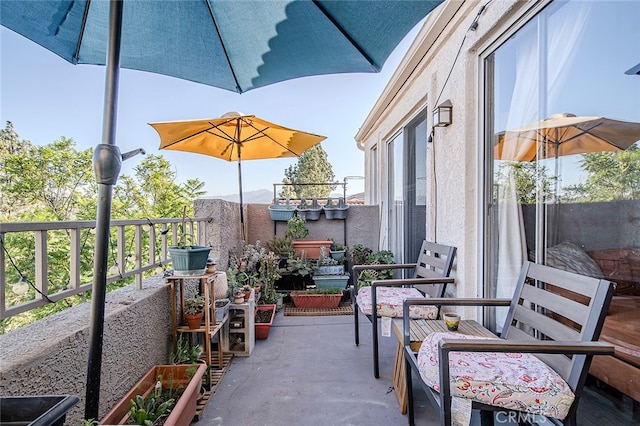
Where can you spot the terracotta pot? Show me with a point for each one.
(311, 247)
(262, 328)
(194, 320)
(177, 376)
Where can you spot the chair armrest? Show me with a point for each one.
(410, 281)
(525, 346)
(452, 301)
(358, 268)
(498, 345)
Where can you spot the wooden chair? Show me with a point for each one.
(431, 275)
(531, 327)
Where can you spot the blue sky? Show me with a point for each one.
(46, 97)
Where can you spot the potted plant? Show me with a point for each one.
(181, 382)
(281, 212)
(281, 246)
(185, 353)
(264, 316)
(333, 210)
(327, 265)
(317, 298)
(338, 251)
(194, 311)
(269, 274)
(186, 257)
(298, 232)
(310, 211)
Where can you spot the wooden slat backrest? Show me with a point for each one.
(536, 312)
(435, 261)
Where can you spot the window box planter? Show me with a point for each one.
(37, 410)
(311, 247)
(328, 281)
(187, 376)
(303, 299)
(329, 270)
(189, 261)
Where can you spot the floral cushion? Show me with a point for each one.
(511, 380)
(389, 302)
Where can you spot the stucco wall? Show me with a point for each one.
(362, 226)
(50, 355)
(455, 156)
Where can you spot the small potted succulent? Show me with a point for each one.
(194, 311)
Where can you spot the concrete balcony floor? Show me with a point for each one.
(310, 372)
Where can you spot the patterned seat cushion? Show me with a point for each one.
(389, 302)
(510, 380)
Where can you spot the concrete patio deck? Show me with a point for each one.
(310, 372)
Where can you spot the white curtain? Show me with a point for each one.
(552, 42)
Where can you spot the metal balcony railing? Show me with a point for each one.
(138, 246)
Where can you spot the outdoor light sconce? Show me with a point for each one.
(443, 114)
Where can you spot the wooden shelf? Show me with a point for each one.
(210, 328)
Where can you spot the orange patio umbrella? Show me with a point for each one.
(235, 136)
(565, 134)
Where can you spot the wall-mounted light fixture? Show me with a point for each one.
(443, 114)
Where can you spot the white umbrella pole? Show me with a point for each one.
(241, 201)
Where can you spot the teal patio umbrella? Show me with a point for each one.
(235, 45)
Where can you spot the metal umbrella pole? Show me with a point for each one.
(107, 161)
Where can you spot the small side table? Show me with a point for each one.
(419, 329)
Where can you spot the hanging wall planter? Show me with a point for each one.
(310, 211)
(337, 211)
(281, 212)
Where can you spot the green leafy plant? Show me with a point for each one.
(148, 412)
(282, 246)
(297, 229)
(185, 239)
(89, 422)
(338, 246)
(194, 304)
(362, 255)
(185, 353)
(299, 266)
(269, 274)
(325, 259)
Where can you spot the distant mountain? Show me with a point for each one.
(260, 196)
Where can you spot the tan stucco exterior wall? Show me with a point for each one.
(455, 156)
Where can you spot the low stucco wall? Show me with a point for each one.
(50, 355)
